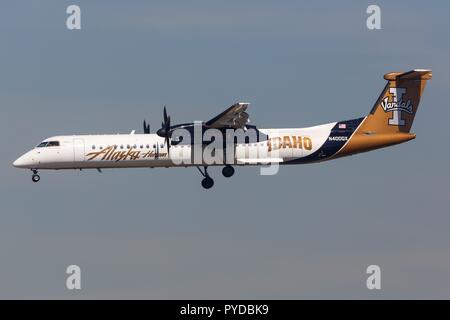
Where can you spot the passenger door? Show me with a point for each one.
(78, 150)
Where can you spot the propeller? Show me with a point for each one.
(146, 127)
(165, 128)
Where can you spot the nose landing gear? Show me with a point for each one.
(35, 177)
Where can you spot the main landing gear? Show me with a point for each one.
(227, 171)
(35, 177)
(208, 182)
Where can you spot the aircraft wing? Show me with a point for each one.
(234, 117)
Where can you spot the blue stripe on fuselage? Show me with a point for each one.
(335, 141)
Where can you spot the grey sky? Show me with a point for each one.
(308, 232)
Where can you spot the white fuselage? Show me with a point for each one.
(150, 150)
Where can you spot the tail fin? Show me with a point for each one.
(396, 107)
(392, 116)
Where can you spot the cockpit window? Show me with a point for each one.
(48, 144)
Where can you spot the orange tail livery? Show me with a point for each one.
(392, 116)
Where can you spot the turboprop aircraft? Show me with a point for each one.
(237, 143)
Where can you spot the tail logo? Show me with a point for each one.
(397, 106)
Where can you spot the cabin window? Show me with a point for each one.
(121, 146)
(161, 146)
(142, 147)
(148, 147)
(93, 147)
(154, 146)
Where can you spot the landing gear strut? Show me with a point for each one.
(227, 171)
(35, 177)
(207, 182)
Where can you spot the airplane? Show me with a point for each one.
(388, 123)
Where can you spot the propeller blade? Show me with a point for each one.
(165, 128)
(146, 127)
(165, 114)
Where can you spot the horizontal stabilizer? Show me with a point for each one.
(416, 74)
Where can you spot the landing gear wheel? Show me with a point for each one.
(227, 171)
(207, 183)
(35, 177)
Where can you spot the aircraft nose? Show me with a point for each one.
(23, 161)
